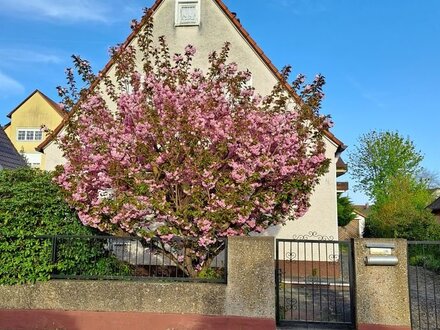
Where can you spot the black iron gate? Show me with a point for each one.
(315, 283)
(424, 284)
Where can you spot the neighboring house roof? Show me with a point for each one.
(434, 206)
(341, 186)
(9, 156)
(341, 167)
(52, 103)
(236, 22)
(363, 210)
(359, 213)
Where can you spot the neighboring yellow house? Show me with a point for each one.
(24, 129)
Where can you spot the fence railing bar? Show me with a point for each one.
(352, 279)
(418, 297)
(305, 272)
(225, 266)
(423, 242)
(137, 278)
(435, 302)
(334, 278)
(319, 324)
(341, 262)
(277, 282)
(290, 272)
(284, 275)
(313, 280)
(122, 258)
(310, 241)
(426, 287)
(328, 282)
(298, 277)
(411, 316)
(320, 287)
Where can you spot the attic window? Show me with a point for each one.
(187, 12)
(30, 134)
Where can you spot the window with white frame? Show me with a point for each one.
(29, 134)
(187, 12)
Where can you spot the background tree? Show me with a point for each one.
(387, 167)
(345, 210)
(431, 178)
(401, 211)
(182, 153)
(379, 157)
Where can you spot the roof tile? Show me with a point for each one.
(9, 156)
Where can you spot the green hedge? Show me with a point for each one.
(31, 205)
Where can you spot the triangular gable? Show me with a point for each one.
(244, 34)
(55, 106)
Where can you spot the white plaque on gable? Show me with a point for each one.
(187, 12)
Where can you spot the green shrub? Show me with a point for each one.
(345, 211)
(425, 255)
(31, 205)
(401, 212)
(211, 273)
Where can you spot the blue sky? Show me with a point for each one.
(380, 58)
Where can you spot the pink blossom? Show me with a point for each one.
(177, 58)
(190, 50)
(191, 154)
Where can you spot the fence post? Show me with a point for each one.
(382, 294)
(277, 282)
(251, 278)
(54, 250)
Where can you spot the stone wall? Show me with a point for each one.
(247, 301)
(248, 298)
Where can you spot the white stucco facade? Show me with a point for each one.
(321, 220)
(213, 30)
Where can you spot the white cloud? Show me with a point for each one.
(69, 10)
(16, 55)
(10, 86)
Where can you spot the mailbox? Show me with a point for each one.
(381, 248)
(381, 254)
(381, 260)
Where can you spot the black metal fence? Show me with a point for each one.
(128, 258)
(314, 283)
(424, 284)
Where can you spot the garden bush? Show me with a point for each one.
(32, 206)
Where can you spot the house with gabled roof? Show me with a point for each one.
(208, 24)
(25, 127)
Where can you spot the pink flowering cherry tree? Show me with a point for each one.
(183, 153)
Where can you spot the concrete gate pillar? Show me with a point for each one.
(382, 294)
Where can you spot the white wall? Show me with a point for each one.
(321, 220)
